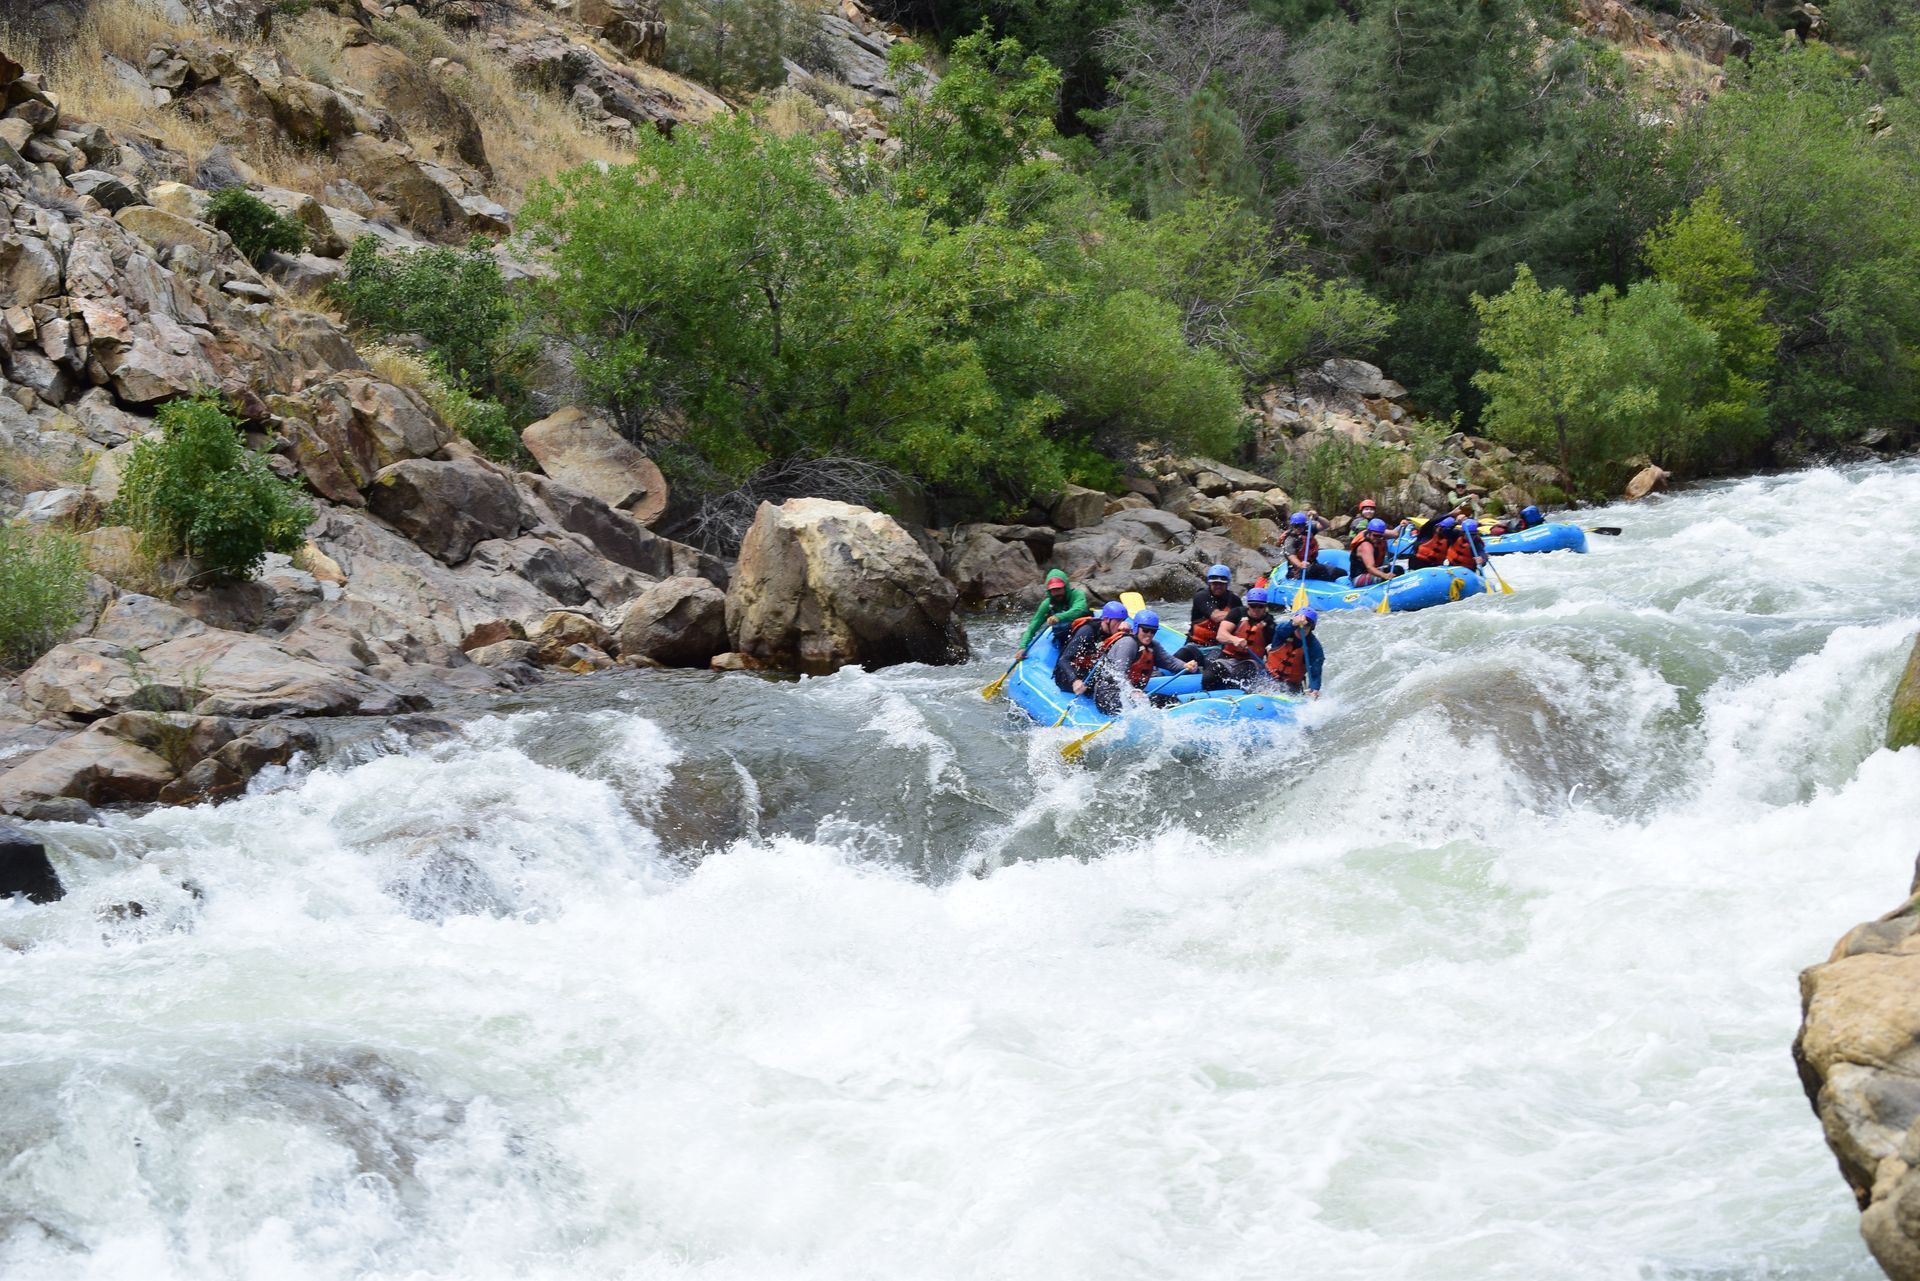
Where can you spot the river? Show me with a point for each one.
(1489, 975)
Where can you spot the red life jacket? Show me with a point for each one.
(1203, 632)
(1287, 661)
(1140, 670)
(1083, 661)
(1254, 634)
(1460, 551)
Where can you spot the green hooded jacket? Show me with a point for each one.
(1044, 614)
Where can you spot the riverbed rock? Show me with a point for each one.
(1078, 507)
(447, 507)
(25, 868)
(1649, 479)
(985, 568)
(821, 584)
(678, 622)
(1903, 721)
(1859, 1057)
(582, 451)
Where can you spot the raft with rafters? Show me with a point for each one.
(1417, 589)
(1032, 690)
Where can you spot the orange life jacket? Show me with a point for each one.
(1380, 558)
(1140, 670)
(1254, 634)
(1203, 632)
(1287, 661)
(1460, 552)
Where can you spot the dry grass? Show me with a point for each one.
(400, 367)
(530, 134)
(31, 473)
(788, 112)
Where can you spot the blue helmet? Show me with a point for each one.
(1376, 526)
(1220, 572)
(1446, 522)
(1470, 524)
(1308, 615)
(1146, 619)
(1258, 596)
(1298, 518)
(1114, 609)
(1531, 514)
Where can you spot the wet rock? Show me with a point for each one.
(502, 653)
(25, 868)
(1903, 720)
(448, 507)
(1078, 508)
(680, 622)
(492, 633)
(585, 453)
(562, 629)
(820, 584)
(1649, 479)
(985, 568)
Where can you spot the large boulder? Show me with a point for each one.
(985, 568)
(821, 584)
(1859, 1057)
(126, 758)
(448, 507)
(1903, 720)
(1078, 508)
(1648, 480)
(25, 868)
(679, 622)
(347, 426)
(583, 452)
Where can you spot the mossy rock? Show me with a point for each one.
(1903, 723)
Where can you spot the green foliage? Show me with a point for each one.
(1337, 473)
(1061, 31)
(1829, 210)
(256, 227)
(43, 585)
(962, 134)
(734, 46)
(198, 491)
(486, 423)
(1596, 380)
(454, 299)
(1702, 254)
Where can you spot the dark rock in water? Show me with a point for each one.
(58, 809)
(25, 868)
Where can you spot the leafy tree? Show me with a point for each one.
(963, 134)
(257, 228)
(1701, 252)
(1595, 380)
(1060, 31)
(454, 299)
(199, 491)
(1827, 208)
(734, 46)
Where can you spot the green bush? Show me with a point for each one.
(454, 299)
(198, 491)
(257, 228)
(43, 584)
(1336, 474)
(486, 423)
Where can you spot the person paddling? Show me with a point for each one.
(1466, 549)
(1295, 659)
(1127, 661)
(1087, 639)
(1299, 550)
(1213, 604)
(1062, 604)
(1243, 643)
(1371, 560)
(1431, 546)
(1529, 517)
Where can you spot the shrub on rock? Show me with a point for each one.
(199, 491)
(257, 228)
(43, 584)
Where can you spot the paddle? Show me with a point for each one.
(1611, 531)
(992, 691)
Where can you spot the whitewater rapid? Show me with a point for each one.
(1489, 976)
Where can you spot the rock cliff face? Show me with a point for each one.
(1859, 1057)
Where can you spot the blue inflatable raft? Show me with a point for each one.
(1032, 690)
(1550, 537)
(1417, 589)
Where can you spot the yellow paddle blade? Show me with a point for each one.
(1134, 602)
(1506, 589)
(1300, 597)
(992, 691)
(1382, 607)
(1072, 751)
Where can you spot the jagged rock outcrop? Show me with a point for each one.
(1859, 1057)
(581, 450)
(821, 584)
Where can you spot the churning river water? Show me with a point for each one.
(1489, 975)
